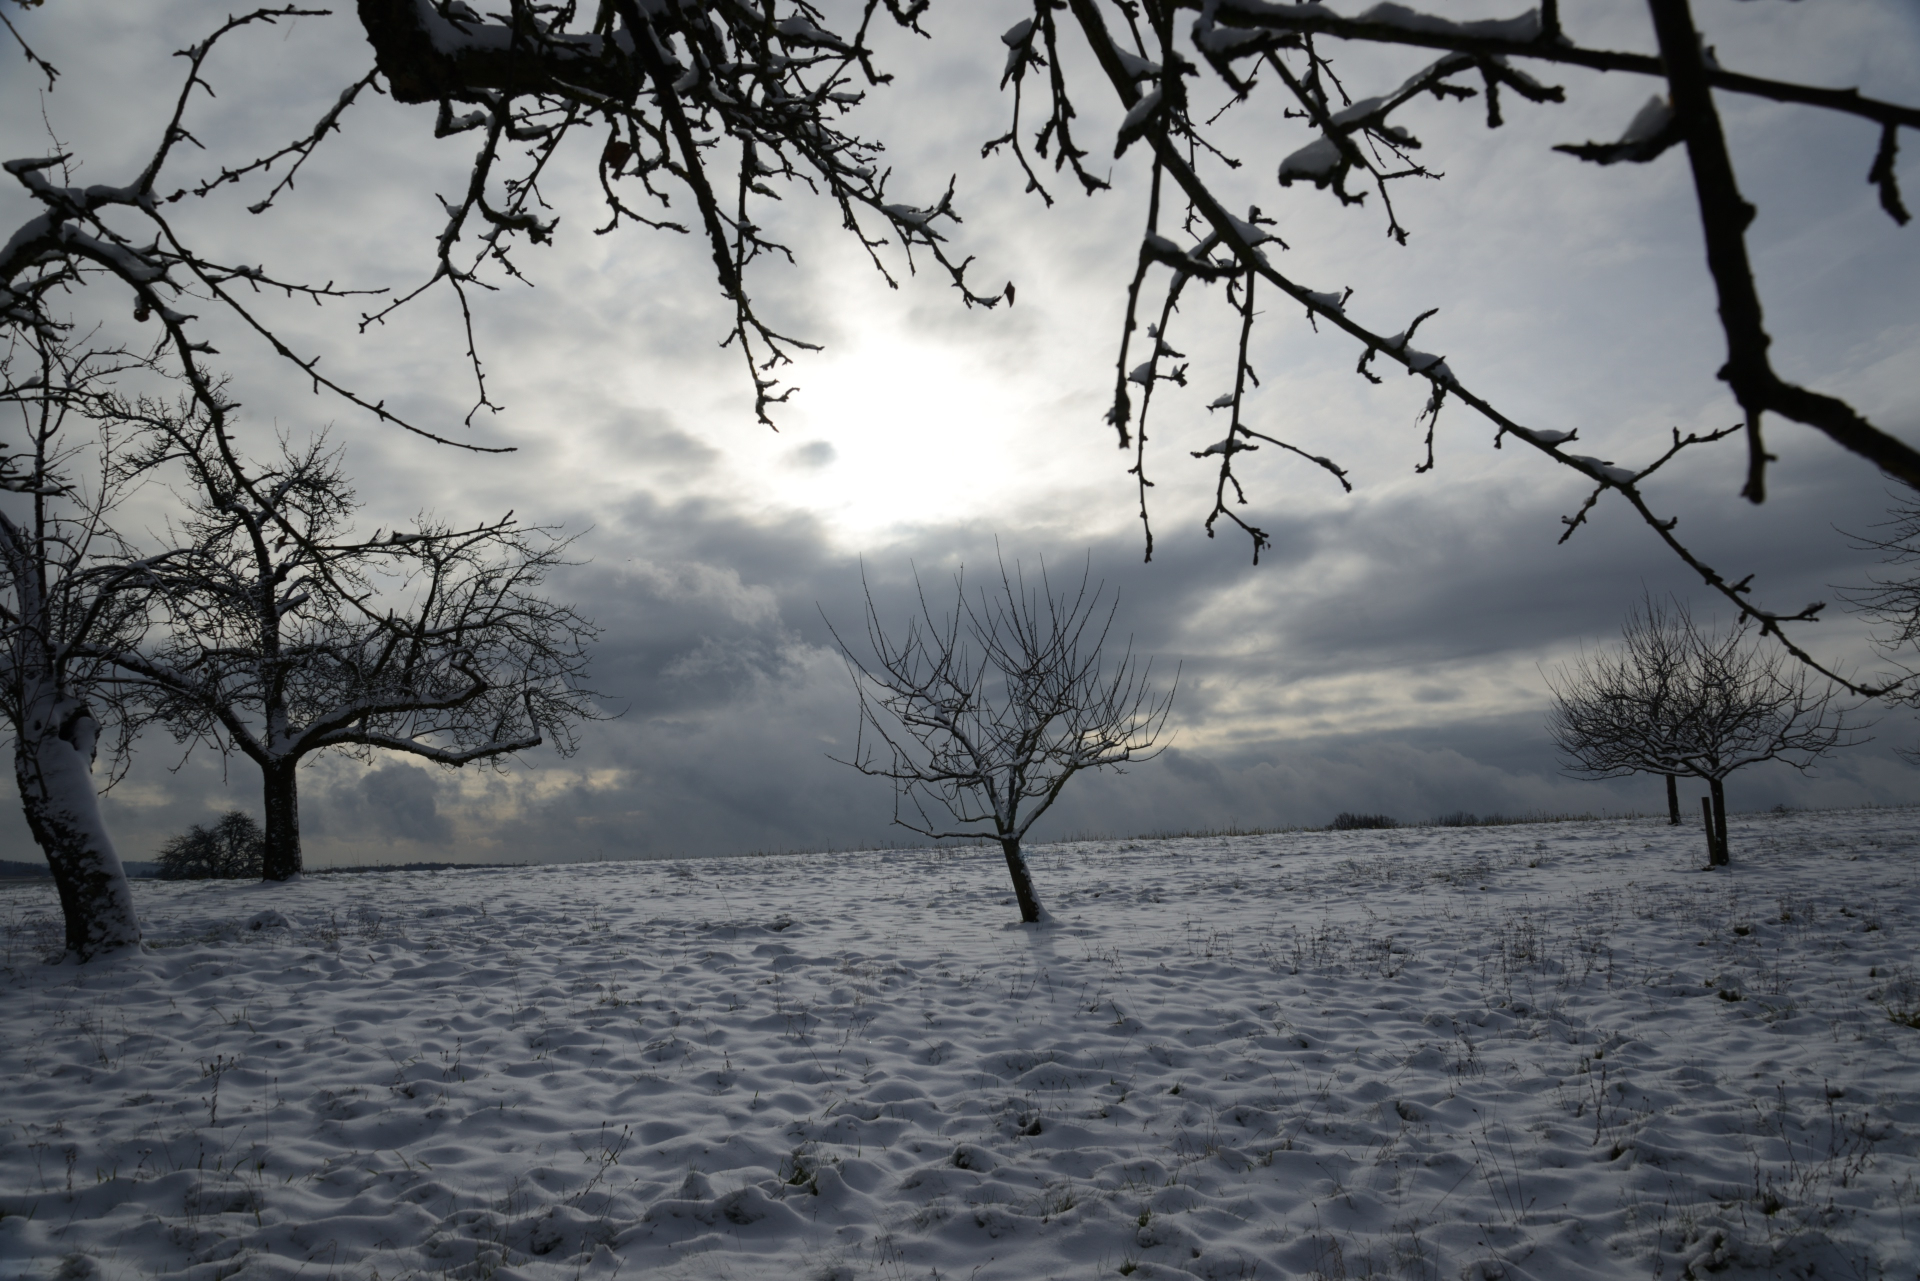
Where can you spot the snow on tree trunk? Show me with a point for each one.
(1022, 883)
(280, 860)
(53, 767)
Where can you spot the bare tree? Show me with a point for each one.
(1679, 701)
(70, 591)
(983, 714)
(436, 642)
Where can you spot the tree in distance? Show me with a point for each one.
(1344, 822)
(230, 850)
(289, 635)
(1676, 700)
(983, 714)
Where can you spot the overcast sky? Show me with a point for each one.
(1386, 655)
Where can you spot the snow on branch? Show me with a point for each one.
(1246, 42)
(726, 104)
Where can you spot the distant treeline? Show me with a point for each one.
(1461, 818)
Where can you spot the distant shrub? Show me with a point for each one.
(1460, 818)
(228, 850)
(1357, 822)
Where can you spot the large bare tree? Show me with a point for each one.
(288, 634)
(982, 714)
(71, 591)
(1678, 700)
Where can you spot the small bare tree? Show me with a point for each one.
(984, 713)
(290, 636)
(69, 590)
(1678, 701)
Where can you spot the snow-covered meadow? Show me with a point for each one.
(1553, 1051)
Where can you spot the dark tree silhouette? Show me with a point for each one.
(229, 850)
(984, 713)
(433, 642)
(1676, 700)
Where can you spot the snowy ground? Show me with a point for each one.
(1547, 1052)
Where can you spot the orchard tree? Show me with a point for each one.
(71, 591)
(1676, 700)
(287, 634)
(980, 717)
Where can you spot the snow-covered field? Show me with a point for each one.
(1546, 1051)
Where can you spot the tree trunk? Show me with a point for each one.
(280, 859)
(1706, 825)
(53, 767)
(1022, 883)
(1721, 855)
(1673, 801)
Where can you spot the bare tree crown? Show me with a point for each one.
(1676, 699)
(291, 633)
(1892, 598)
(980, 714)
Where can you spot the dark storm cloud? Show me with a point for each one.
(393, 799)
(733, 754)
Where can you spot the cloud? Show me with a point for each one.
(393, 801)
(813, 455)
